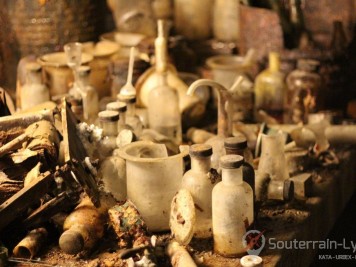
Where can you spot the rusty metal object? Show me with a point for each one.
(129, 225)
(31, 244)
(259, 29)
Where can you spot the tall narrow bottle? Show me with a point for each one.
(238, 146)
(34, 92)
(163, 102)
(121, 108)
(131, 118)
(230, 208)
(89, 95)
(199, 184)
(270, 89)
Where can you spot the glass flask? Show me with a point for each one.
(199, 184)
(89, 95)
(108, 120)
(270, 89)
(131, 117)
(34, 92)
(304, 86)
(231, 208)
(163, 111)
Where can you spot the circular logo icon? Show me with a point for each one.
(254, 241)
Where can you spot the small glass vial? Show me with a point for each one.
(163, 110)
(238, 146)
(304, 86)
(89, 95)
(231, 208)
(121, 108)
(270, 89)
(131, 118)
(108, 120)
(34, 92)
(199, 184)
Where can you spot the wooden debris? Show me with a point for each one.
(179, 255)
(8, 187)
(14, 206)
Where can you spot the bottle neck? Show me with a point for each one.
(83, 81)
(161, 54)
(232, 176)
(274, 62)
(234, 151)
(110, 128)
(201, 164)
(34, 78)
(131, 109)
(122, 119)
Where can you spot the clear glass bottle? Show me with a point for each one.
(238, 146)
(121, 108)
(304, 86)
(131, 118)
(163, 110)
(108, 120)
(34, 92)
(231, 208)
(270, 89)
(199, 184)
(89, 95)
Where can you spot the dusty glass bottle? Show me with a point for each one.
(108, 120)
(230, 208)
(199, 184)
(131, 118)
(89, 95)
(163, 110)
(303, 95)
(270, 89)
(238, 146)
(121, 108)
(34, 92)
(226, 20)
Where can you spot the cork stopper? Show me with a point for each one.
(236, 142)
(71, 242)
(117, 106)
(201, 150)
(231, 161)
(108, 115)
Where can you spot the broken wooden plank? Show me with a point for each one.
(75, 154)
(19, 202)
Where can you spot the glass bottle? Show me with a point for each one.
(191, 24)
(270, 89)
(131, 118)
(108, 120)
(198, 183)
(163, 110)
(34, 92)
(238, 146)
(231, 208)
(89, 95)
(226, 20)
(273, 160)
(121, 108)
(304, 86)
